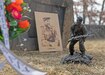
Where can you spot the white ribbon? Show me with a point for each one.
(2, 64)
(4, 30)
(4, 25)
(20, 66)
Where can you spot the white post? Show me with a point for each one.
(18, 65)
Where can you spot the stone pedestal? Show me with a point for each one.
(77, 58)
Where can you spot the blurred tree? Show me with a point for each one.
(89, 10)
(103, 18)
(85, 9)
(101, 14)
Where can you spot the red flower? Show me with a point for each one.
(19, 1)
(9, 8)
(16, 14)
(24, 24)
(12, 6)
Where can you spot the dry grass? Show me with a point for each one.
(50, 62)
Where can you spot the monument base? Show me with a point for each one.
(77, 58)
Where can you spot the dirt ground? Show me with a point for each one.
(50, 62)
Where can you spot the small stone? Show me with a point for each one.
(25, 49)
(24, 39)
(21, 44)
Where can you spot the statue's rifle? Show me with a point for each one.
(80, 36)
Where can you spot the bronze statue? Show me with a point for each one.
(78, 34)
(76, 30)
